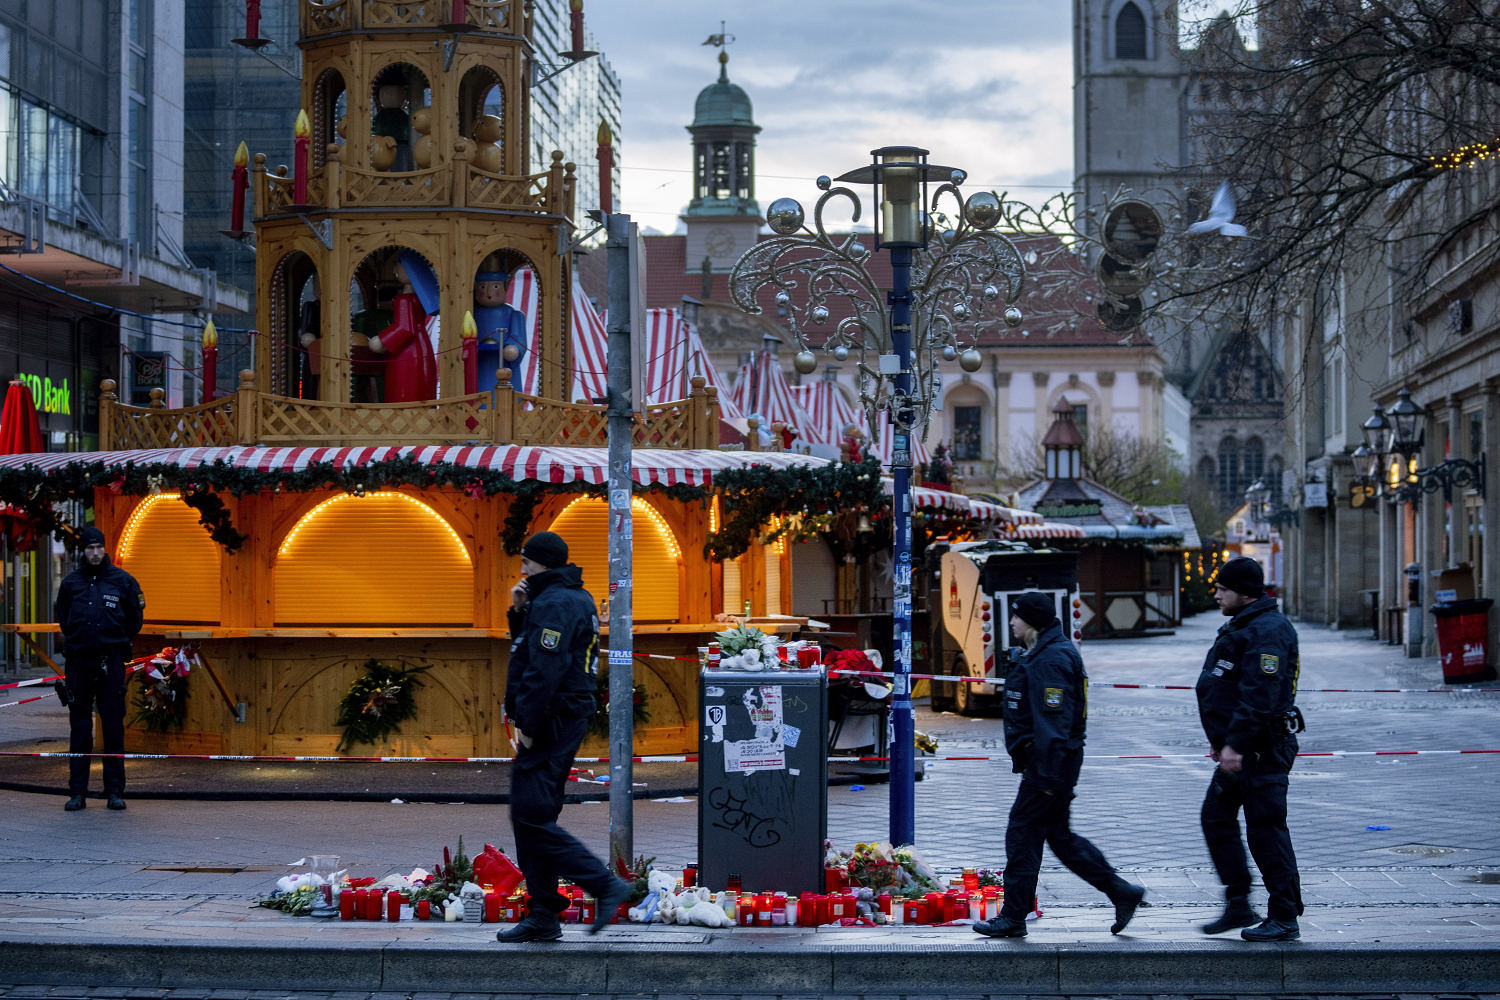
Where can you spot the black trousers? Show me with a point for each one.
(545, 851)
(1260, 790)
(96, 679)
(1037, 817)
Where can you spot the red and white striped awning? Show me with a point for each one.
(828, 411)
(1047, 529)
(674, 354)
(651, 466)
(522, 296)
(761, 390)
(590, 348)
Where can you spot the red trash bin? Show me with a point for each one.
(1463, 631)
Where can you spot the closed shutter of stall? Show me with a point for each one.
(656, 563)
(173, 559)
(734, 601)
(817, 578)
(380, 559)
(772, 555)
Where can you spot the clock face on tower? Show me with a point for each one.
(719, 242)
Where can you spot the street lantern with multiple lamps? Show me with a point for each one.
(1269, 510)
(1391, 449)
(939, 280)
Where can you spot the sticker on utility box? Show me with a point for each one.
(714, 717)
(749, 756)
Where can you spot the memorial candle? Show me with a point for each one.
(240, 178)
(301, 132)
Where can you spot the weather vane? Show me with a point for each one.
(720, 40)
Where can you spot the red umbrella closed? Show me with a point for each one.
(20, 434)
(20, 428)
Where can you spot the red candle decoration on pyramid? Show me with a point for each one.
(302, 131)
(240, 176)
(210, 361)
(469, 348)
(605, 154)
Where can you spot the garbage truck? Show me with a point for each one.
(969, 589)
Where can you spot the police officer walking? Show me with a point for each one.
(1046, 707)
(99, 609)
(549, 695)
(1246, 697)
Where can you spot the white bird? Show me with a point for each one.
(1220, 215)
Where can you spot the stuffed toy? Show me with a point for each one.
(697, 907)
(659, 886)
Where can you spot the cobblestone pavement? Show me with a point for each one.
(136, 993)
(1428, 872)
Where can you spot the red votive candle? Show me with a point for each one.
(424, 909)
(492, 907)
(347, 900)
(690, 876)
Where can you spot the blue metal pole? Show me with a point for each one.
(903, 731)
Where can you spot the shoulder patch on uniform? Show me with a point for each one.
(1269, 663)
(550, 638)
(1052, 697)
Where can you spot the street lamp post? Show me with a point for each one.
(939, 280)
(1393, 444)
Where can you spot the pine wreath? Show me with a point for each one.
(599, 722)
(161, 699)
(377, 703)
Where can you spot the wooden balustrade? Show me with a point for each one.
(250, 417)
(324, 17)
(457, 183)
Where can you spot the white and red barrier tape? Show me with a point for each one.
(31, 683)
(686, 758)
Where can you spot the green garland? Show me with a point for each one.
(377, 703)
(751, 495)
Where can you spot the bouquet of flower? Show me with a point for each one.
(744, 648)
(874, 866)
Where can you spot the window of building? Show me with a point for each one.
(1229, 467)
(1130, 33)
(1081, 419)
(968, 435)
(1476, 434)
(1253, 466)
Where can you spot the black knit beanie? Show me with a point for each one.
(90, 536)
(546, 548)
(1035, 609)
(1242, 575)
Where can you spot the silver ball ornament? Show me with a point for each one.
(1013, 317)
(819, 314)
(859, 251)
(783, 299)
(841, 353)
(991, 293)
(960, 311)
(958, 176)
(824, 182)
(982, 210)
(784, 216)
(949, 352)
(805, 362)
(948, 236)
(970, 360)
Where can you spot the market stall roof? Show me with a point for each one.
(649, 466)
(1048, 529)
(829, 413)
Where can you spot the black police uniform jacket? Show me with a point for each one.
(554, 643)
(99, 608)
(1249, 680)
(1046, 707)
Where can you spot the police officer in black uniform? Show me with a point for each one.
(1046, 706)
(1246, 697)
(99, 608)
(549, 695)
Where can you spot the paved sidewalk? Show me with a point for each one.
(161, 895)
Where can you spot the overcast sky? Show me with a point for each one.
(985, 85)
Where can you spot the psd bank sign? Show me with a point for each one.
(49, 396)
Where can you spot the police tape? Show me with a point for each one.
(23, 701)
(31, 683)
(677, 758)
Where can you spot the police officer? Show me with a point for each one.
(99, 608)
(1046, 704)
(549, 695)
(1245, 700)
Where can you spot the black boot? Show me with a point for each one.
(1272, 930)
(1237, 913)
(1001, 926)
(1126, 898)
(537, 925)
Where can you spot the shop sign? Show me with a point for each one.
(49, 396)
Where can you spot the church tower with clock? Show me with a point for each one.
(723, 220)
